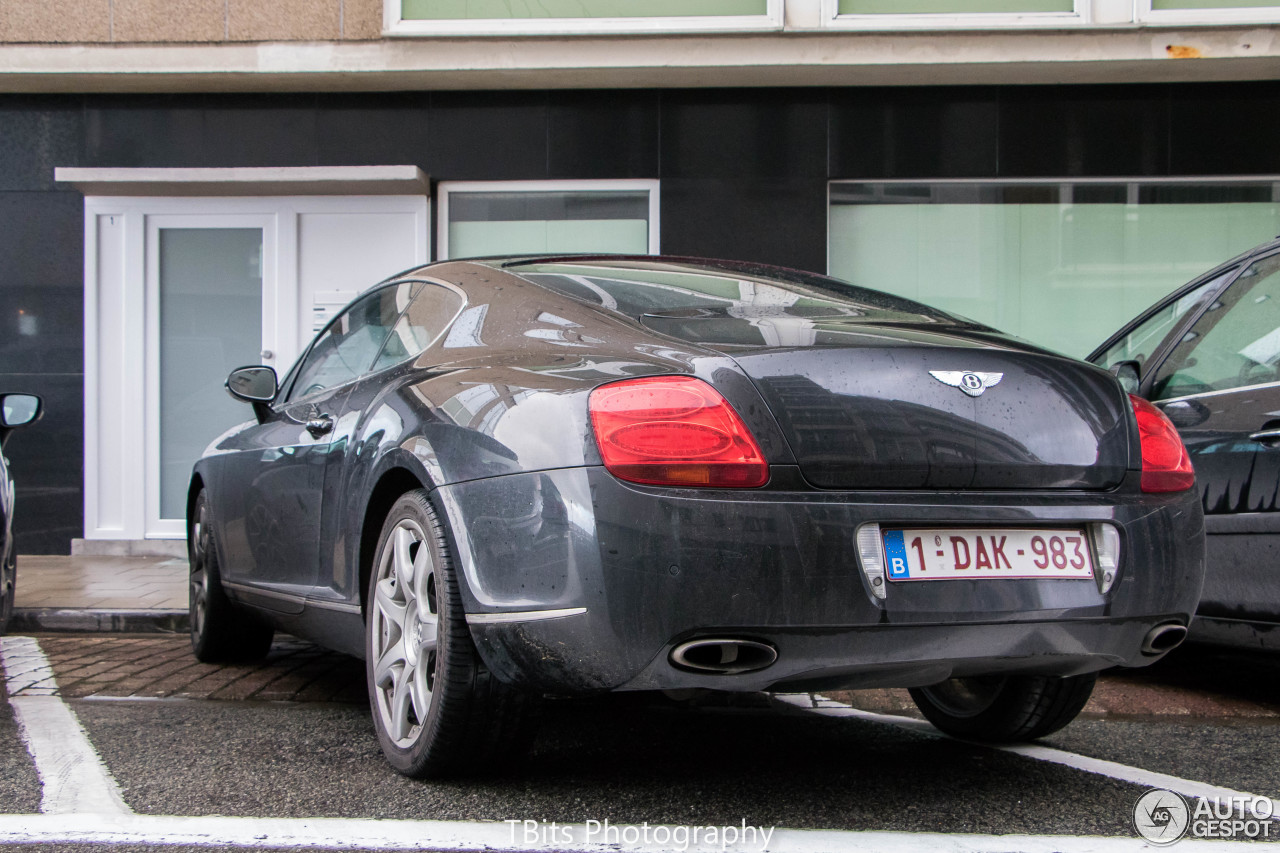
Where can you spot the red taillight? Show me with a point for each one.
(1166, 467)
(674, 431)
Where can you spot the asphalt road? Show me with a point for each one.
(631, 760)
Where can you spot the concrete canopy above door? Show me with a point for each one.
(318, 249)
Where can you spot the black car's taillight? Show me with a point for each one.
(674, 431)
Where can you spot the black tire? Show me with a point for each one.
(8, 583)
(437, 711)
(1004, 709)
(220, 632)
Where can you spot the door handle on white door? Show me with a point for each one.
(267, 355)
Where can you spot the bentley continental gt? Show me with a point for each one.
(504, 478)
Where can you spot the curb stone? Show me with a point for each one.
(82, 621)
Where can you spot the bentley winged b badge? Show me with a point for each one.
(968, 381)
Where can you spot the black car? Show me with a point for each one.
(1208, 356)
(15, 410)
(503, 478)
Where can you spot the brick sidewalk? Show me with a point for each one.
(115, 665)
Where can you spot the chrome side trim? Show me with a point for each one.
(265, 593)
(522, 616)
(339, 606)
(323, 604)
(1204, 394)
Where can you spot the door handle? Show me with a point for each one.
(319, 425)
(1266, 436)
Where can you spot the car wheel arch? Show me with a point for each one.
(193, 492)
(391, 484)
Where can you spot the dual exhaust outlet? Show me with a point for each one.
(723, 656)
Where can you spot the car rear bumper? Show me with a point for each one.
(577, 582)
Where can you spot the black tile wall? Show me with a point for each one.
(910, 133)
(487, 136)
(744, 134)
(150, 130)
(41, 282)
(260, 130)
(604, 135)
(37, 134)
(366, 129)
(46, 461)
(1225, 130)
(1072, 132)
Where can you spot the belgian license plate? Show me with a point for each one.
(946, 554)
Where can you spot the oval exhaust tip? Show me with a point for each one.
(1163, 638)
(723, 656)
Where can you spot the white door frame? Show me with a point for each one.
(121, 444)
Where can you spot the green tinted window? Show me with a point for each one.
(534, 222)
(952, 7)
(1163, 5)
(1062, 265)
(445, 10)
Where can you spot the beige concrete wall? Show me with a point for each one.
(187, 21)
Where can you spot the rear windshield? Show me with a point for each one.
(677, 290)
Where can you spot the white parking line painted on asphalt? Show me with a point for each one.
(1125, 773)
(72, 776)
(369, 834)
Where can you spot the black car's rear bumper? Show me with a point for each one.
(575, 581)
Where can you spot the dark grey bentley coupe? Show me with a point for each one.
(502, 478)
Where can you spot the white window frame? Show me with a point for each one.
(394, 24)
(446, 188)
(1144, 14)
(1082, 16)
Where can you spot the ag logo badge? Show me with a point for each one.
(970, 382)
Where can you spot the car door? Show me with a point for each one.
(372, 418)
(1219, 382)
(273, 552)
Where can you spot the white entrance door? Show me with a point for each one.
(211, 298)
(180, 291)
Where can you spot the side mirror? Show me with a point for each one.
(1127, 373)
(19, 410)
(257, 385)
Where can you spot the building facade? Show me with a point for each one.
(187, 189)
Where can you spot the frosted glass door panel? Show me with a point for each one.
(210, 324)
(1062, 275)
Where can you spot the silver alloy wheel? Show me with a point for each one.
(403, 622)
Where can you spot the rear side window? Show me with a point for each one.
(1234, 344)
(1149, 336)
(347, 347)
(421, 324)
